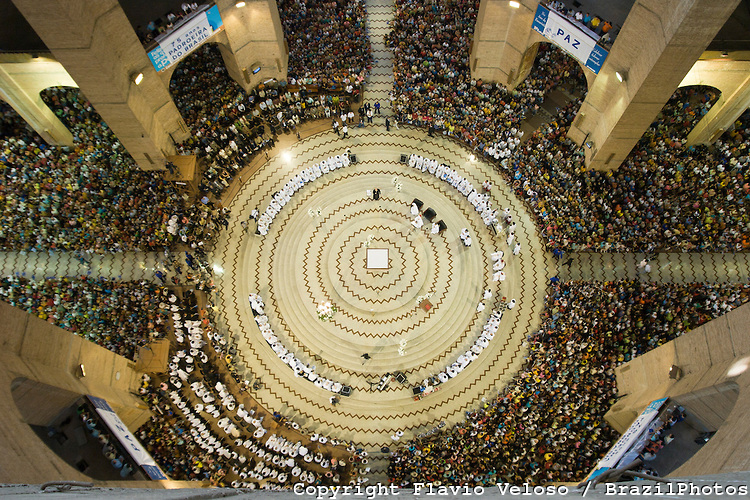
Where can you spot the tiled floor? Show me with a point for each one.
(308, 258)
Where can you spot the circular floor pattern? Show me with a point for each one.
(316, 252)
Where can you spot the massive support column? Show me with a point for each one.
(96, 44)
(712, 383)
(22, 77)
(255, 49)
(40, 375)
(732, 78)
(658, 44)
(501, 38)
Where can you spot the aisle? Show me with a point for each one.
(126, 266)
(665, 267)
(380, 82)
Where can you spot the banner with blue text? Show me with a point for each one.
(186, 38)
(569, 37)
(126, 438)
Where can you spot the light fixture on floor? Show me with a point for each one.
(675, 372)
(514, 4)
(621, 76)
(81, 372)
(239, 4)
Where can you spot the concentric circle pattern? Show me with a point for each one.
(417, 315)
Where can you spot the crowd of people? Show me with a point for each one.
(118, 315)
(433, 85)
(91, 196)
(166, 439)
(680, 114)
(328, 42)
(664, 197)
(231, 126)
(165, 24)
(598, 26)
(548, 424)
(201, 428)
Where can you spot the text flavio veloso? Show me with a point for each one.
(421, 489)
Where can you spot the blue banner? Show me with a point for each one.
(126, 438)
(185, 39)
(571, 38)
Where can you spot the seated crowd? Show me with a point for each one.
(202, 429)
(434, 88)
(165, 24)
(89, 197)
(229, 126)
(683, 110)
(556, 403)
(642, 206)
(665, 197)
(328, 43)
(118, 315)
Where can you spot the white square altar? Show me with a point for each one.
(377, 258)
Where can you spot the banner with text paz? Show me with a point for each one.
(569, 37)
(186, 38)
(126, 438)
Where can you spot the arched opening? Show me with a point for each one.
(75, 111)
(201, 86)
(556, 68)
(680, 114)
(706, 411)
(68, 425)
(555, 80)
(13, 126)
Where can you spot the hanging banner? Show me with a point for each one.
(569, 37)
(127, 439)
(629, 438)
(186, 38)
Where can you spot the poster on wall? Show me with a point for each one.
(185, 39)
(630, 438)
(571, 38)
(126, 439)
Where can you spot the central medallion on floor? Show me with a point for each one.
(377, 258)
(377, 267)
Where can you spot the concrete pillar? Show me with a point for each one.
(732, 78)
(39, 373)
(22, 77)
(98, 47)
(502, 37)
(658, 44)
(254, 39)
